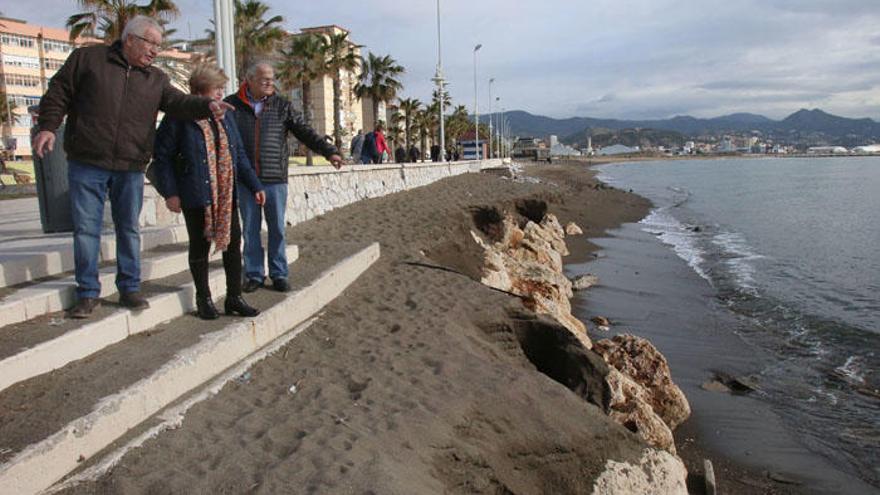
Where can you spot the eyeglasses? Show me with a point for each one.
(150, 43)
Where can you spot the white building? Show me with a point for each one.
(617, 149)
(827, 150)
(867, 150)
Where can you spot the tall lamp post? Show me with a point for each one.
(491, 80)
(224, 38)
(438, 79)
(476, 108)
(498, 127)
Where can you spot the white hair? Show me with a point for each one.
(252, 69)
(138, 25)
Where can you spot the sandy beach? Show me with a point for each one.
(416, 379)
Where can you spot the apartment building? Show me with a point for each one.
(29, 56)
(351, 111)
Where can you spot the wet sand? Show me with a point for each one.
(647, 290)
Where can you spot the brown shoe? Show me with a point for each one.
(84, 307)
(133, 300)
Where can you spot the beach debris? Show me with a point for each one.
(601, 321)
(573, 229)
(293, 389)
(715, 386)
(584, 282)
(244, 378)
(709, 475)
(735, 383)
(56, 322)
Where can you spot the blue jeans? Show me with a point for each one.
(251, 221)
(89, 186)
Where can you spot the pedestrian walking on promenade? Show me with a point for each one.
(111, 95)
(414, 153)
(197, 165)
(382, 150)
(264, 120)
(357, 146)
(400, 154)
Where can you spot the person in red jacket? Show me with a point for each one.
(382, 148)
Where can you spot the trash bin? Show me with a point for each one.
(53, 192)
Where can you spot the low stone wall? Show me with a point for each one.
(313, 191)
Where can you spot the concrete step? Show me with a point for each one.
(118, 325)
(37, 466)
(27, 260)
(55, 295)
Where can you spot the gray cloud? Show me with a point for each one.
(605, 58)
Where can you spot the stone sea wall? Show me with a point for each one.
(313, 191)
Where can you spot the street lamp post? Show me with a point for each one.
(224, 39)
(491, 80)
(438, 78)
(499, 127)
(476, 108)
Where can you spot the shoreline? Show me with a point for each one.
(743, 436)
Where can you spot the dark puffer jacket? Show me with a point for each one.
(265, 138)
(181, 161)
(111, 107)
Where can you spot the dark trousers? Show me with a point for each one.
(199, 250)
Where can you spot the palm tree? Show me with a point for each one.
(409, 107)
(394, 130)
(457, 124)
(426, 120)
(255, 38)
(339, 56)
(303, 62)
(378, 81)
(107, 18)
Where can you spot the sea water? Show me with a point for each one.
(792, 247)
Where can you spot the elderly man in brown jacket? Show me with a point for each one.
(111, 96)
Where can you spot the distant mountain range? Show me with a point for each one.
(811, 126)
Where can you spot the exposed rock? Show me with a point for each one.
(715, 386)
(656, 472)
(735, 384)
(601, 321)
(527, 262)
(630, 406)
(573, 229)
(639, 360)
(584, 282)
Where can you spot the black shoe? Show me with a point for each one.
(250, 285)
(84, 307)
(134, 300)
(237, 305)
(281, 285)
(205, 308)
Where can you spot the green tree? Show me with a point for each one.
(426, 120)
(301, 63)
(410, 107)
(256, 38)
(105, 19)
(339, 56)
(379, 81)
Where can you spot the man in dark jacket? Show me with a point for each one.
(111, 95)
(264, 120)
(414, 153)
(357, 145)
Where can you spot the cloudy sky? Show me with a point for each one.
(604, 58)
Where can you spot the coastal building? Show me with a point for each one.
(352, 111)
(827, 150)
(29, 56)
(867, 150)
(617, 149)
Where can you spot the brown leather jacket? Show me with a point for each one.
(111, 107)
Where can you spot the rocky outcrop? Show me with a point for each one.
(523, 256)
(527, 261)
(655, 472)
(584, 282)
(643, 397)
(573, 229)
